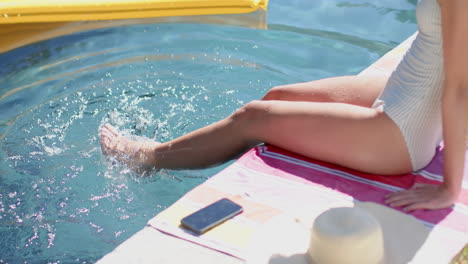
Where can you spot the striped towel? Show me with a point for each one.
(270, 182)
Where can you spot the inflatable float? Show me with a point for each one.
(33, 11)
(28, 21)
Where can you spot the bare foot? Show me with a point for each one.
(136, 154)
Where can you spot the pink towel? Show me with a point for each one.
(361, 186)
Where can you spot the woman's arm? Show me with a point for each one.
(454, 100)
(455, 94)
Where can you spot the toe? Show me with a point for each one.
(105, 145)
(106, 141)
(111, 129)
(105, 136)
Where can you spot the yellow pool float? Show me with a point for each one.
(27, 11)
(27, 21)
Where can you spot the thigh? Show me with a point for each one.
(352, 136)
(358, 90)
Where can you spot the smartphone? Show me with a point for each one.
(211, 215)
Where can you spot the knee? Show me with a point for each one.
(252, 112)
(276, 93)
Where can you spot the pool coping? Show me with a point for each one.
(152, 246)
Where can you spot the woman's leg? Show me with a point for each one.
(360, 90)
(356, 137)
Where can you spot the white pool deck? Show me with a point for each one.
(152, 246)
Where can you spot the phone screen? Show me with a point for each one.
(211, 215)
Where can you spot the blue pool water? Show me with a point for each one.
(61, 201)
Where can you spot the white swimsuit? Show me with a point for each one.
(412, 97)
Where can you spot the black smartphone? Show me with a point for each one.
(211, 215)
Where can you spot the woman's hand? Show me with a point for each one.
(422, 196)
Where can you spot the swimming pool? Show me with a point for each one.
(61, 201)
